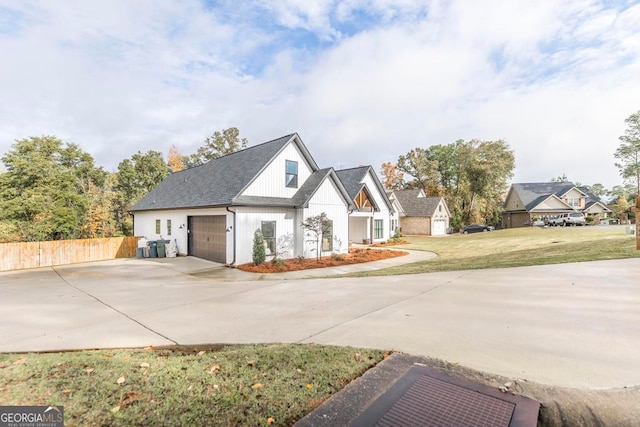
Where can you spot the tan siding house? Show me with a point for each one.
(418, 214)
(527, 202)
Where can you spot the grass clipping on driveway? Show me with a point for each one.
(230, 385)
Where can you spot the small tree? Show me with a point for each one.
(258, 248)
(316, 225)
(628, 153)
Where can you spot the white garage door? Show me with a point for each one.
(439, 227)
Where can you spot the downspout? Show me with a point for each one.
(233, 263)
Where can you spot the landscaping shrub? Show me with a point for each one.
(258, 248)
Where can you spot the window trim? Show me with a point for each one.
(327, 229)
(291, 177)
(378, 228)
(270, 242)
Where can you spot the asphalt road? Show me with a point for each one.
(574, 325)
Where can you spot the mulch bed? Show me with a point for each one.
(382, 245)
(355, 256)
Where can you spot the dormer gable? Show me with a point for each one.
(285, 172)
(574, 198)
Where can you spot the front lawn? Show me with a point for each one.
(218, 385)
(515, 248)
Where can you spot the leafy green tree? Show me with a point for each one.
(488, 172)
(219, 144)
(44, 193)
(560, 178)
(259, 253)
(599, 191)
(135, 178)
(628, 153)
(471, 175)
(422, 168)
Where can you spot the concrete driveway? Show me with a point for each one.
(570, 324)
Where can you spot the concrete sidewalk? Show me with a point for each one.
(573, 325)
(206, 269)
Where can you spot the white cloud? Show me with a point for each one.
(362, 82)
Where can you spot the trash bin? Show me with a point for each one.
(153, 249)
(140, 252)
(162, 249)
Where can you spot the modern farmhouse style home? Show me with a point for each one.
(213, 210)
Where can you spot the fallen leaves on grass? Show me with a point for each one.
(257, 386)
(120, 380)
(213, 369)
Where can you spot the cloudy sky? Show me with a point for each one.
(361, 81)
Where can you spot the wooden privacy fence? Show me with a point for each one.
(16, 256)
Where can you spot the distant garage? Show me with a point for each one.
(208, 238)
(439, 227)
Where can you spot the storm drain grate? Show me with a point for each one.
(431, 402)
(428, 398)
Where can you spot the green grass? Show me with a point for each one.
(515, 248)
(228, 385)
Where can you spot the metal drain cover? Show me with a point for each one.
(425, 397)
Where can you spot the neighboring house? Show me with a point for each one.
(369, 220)
(527, 202)
(415, 213)
(213, 210)
(593, 205)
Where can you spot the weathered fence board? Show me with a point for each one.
(17, 256)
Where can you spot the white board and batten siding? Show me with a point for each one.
(145, 226)
(250, 219)
(271, 182)
(328, 200)
(383, 213)
(440, 219)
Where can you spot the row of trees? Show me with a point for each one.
(53, 190)
(472, 176)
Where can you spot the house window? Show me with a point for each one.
(440, 208)
(291, 178)
(157, 226)
(327, 236)
(169, 227)
(574, 202)
(268, 229)
(377, 229)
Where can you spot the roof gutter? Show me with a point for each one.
(233, 263)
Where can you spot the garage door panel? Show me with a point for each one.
(208, 237)
(439, 227)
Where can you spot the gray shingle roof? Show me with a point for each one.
(412, 205)
(352, 181)
(215, 183)
(591, 198)
(533, 193)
